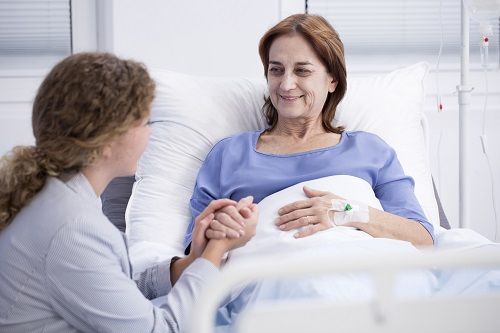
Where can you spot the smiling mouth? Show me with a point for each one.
(290, 98)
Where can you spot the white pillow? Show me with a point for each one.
(191, 114)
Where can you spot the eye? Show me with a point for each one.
(302, 71)
(275, 70)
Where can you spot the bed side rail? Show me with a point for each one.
(384, 313)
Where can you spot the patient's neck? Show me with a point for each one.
(286, 139)
(298, 129)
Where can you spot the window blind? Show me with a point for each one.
(409, 27)
(35, 27)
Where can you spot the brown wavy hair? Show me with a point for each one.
(86, 100)
(327, 45)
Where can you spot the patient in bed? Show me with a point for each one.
(303, 59)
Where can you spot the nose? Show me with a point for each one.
(288, 82)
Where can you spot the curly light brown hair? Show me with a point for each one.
(327, 45)
(86, 101)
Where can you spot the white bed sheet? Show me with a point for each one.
(348, 241)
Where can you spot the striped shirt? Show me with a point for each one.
(65, 268)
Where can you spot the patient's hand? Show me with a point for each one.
(310, 215)
(202, 223)
(213, 249)
(250, 215)
(229, 221)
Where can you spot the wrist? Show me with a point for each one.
(214, 251)
(178, 265)
(190, 258)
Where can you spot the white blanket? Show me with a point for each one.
(336, 241)
(346, 241)
(269, 239)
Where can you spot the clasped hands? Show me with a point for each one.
(230, 223)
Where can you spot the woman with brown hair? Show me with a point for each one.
(64, 266)
(303, 61)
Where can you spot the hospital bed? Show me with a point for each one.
(383, 313)
(190, 114)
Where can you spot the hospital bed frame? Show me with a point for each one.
(384, 313)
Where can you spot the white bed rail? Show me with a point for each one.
(384, 313)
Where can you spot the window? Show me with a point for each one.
(409, 29)
(34, 30)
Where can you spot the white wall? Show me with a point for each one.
(208, 37)
(220, 37)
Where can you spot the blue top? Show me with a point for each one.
(235, 169)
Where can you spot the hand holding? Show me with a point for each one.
(228, 221)
(250, 216)
(202, 222)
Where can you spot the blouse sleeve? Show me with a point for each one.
(155, 282)
(395, 190)
(89, 289)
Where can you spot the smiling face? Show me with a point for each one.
(298, 81)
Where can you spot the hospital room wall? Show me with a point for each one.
(219, 38)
